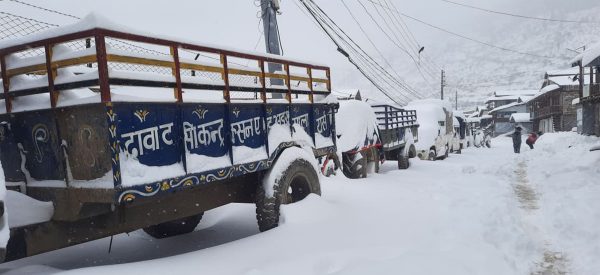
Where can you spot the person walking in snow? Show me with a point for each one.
(531, 139)
(516, 137)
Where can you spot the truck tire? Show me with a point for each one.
(174, 228)
(412, 152)
(445, 156)
(297, 181)
(403, 161)
(356, 169)
(432, 155)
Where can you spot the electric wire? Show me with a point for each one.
(361, 55)
(369, 39)
(471, 39)
(392, 40)
(520, 16)
(362, 52)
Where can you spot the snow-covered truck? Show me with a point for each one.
(359, 142)
(122, 131)
(368, 135)
(399, 131)
(436, 128)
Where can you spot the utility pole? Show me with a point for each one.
(456, 99)
(269, 10)
(443, 84)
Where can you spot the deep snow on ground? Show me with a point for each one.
(487, 211)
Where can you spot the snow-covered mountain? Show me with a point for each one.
(475, 70)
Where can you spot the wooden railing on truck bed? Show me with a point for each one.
(102, 55)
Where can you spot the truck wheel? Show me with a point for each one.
(412, 152)
(174, 228)
(297, 181)
(432, 155)
(403, 160)
(354, 169)
(445, 156)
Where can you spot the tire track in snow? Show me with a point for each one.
(552, 263)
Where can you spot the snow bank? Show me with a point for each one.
(355, 121)
(27, 210)
(566, 175)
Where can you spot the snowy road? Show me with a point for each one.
(487, 211)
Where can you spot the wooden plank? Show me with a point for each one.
(34, 69)
(226, 94)
(273, 75)
(139, 60)
(26, 70)
(288, 83)
(84, 60)
(5, 84)
(198, 67)
(176, 72)
(263, 82)
(310, 85)
(320, 80)
(51, 73)
(102, 69)
(244, 72)
(328, 75)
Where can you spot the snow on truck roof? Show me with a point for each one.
(95, 21)
(354, 121)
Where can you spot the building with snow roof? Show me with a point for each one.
(551, 108)
(523, 120)
(501, 116)
(501, 98)
(588, 65)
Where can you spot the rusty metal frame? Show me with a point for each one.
(102, 58)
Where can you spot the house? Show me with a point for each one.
(588, 78)
(523, 120)
(501, 98)
(551, 108)
(501, 116)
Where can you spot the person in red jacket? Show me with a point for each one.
(531, 139)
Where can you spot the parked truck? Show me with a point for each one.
(137, 140)
(399, 130)
(369, 135)
(436, 129)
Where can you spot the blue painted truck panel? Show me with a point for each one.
(155, 135)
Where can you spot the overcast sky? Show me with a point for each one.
(236, 23)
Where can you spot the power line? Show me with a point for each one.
(469, 38)
(29, 19)
(330, 32)
(45, 9)
(362, 54)
(369, 38)
(518, 15)
(428, 62)
(478, 41)
(390, 38)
